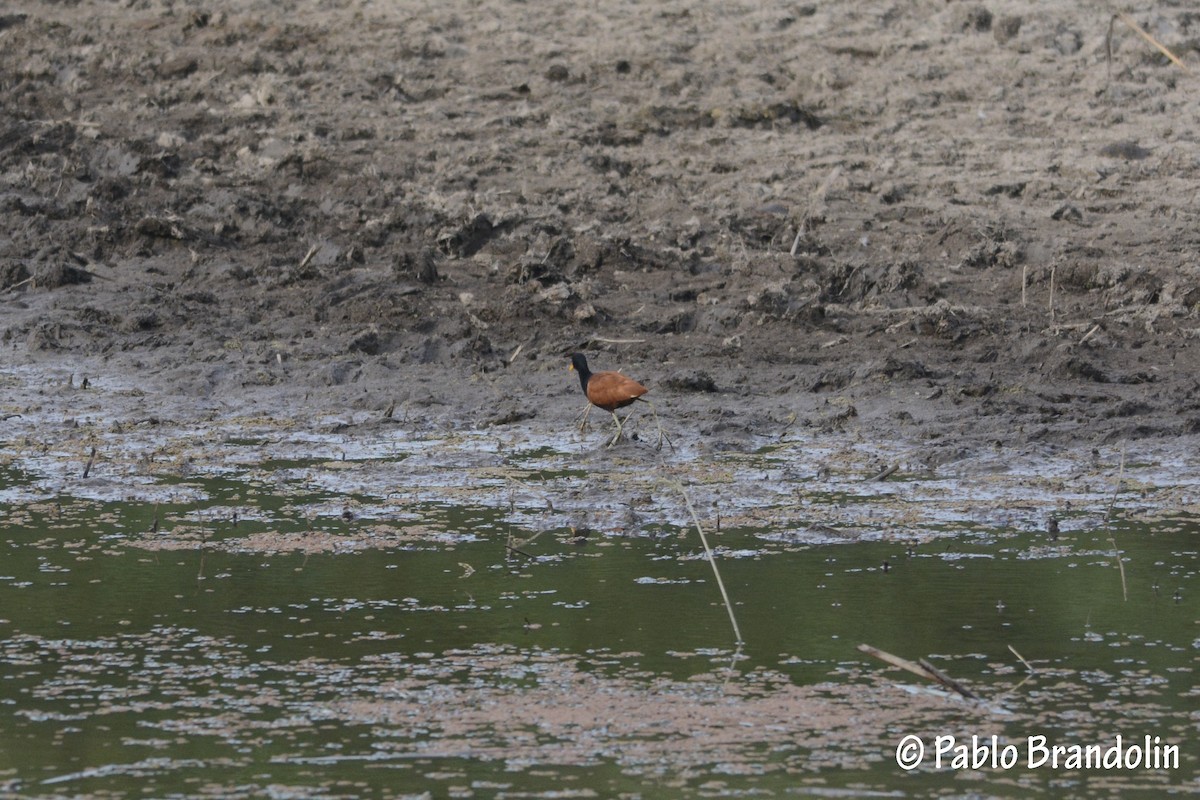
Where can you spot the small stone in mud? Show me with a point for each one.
(340, 373)
(896, 369)
(162, 165)
(367, 342)
(557, 73)
(470, 238)
(1068, 42)
(892, 193)
(12, 273)
(1079, 368)
(1006, 28)
(691, 381)
(160, 228)
(52, 276)
(972, 18)
(510, 417)
(422, 266)
(1068, 213)
(178, 67)
(197, 19)
(837, 421)
(110, 188)
(144, 320)
(1129, 150)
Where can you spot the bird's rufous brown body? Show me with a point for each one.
(612, 390)
(607, 390)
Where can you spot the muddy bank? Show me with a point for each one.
(954, 226)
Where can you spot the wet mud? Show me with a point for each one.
(960, 229)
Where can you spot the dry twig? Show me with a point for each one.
(712, 562)
(886, 473)
(1022, 658)
(1108, 517)
(1140, 31)
(922, 669)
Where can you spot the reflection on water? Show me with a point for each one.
(314, 626)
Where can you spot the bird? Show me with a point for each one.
(610, 391)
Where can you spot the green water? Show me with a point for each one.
(198, 671)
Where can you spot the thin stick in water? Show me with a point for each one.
(1022, 658)
(921, 668)
(1108, 516)
(1120, 480)
(1121, 567)
(885, 474)
(712, 562)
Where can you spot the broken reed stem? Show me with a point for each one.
(1108, 516)
(885, 474)
(312, 251)
(1052, 268)
(1121, 567)
(1024, 282)
(1022, 658)
(921, 668)
(946, 680)
(518, 551)
(1117, 490)
(203, 550)
(512, 545)
(1140, 31)
(737, 632)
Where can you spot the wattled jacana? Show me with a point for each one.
(610, 391)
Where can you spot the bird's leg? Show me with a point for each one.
(661, 435)
(616, 438)
(586, 410)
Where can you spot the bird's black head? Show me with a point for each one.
(580, 365)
